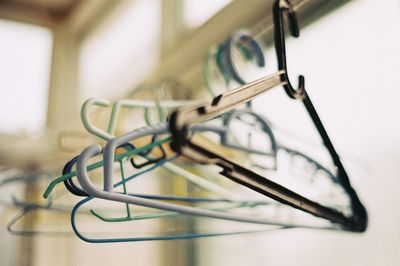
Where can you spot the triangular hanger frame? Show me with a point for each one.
(182, 119)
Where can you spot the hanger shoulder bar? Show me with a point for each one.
(263, 185)
(181, 119)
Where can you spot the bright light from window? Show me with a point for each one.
(196, 12)
(25, 58)
(121, 52)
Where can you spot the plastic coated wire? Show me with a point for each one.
(118, 157)
(100, 163)
(188, 210)
(129, 217)
(150, 238)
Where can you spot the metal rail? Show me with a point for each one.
(185, 63)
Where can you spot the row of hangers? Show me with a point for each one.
(176, 139)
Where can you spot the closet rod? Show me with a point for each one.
(186, 61)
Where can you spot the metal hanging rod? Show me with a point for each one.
(186, 61)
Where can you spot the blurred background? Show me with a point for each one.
(55, 54)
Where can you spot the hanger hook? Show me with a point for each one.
(281, 6)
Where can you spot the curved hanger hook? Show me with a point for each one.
(281, 6)
(86, 120)
(82, 173)
(234, 40)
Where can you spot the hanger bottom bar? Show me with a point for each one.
(258, 183)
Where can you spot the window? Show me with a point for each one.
(122, 51)
(24, 80)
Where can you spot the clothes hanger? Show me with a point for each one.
(185, 236)
(181, 120)
(129, 153)
(223, 133)
(225, 140)
(146, 105)
(360, 216)
(236, 204)
(79, 192)
(165, 214)
(212, 187)
(100, 164)
(108, 193)
(27, 208)
(32, 207)
(149, 130)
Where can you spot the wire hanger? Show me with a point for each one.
(223, 133)
(150, 130)
(163, 129)
(163, 215)
(138, 104)
(108, 167)
(108, 193)
(360, 217)
(181, 120)
(184, 236)
(79, 192)
(27, 208)
(145, 131)
(146, 105)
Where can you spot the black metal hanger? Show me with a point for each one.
(280, 7)
(182, 119)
